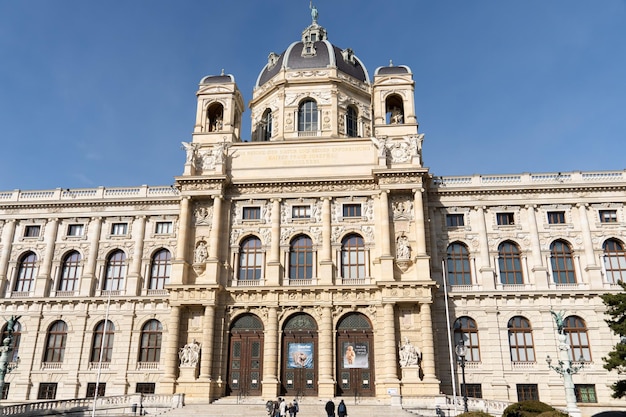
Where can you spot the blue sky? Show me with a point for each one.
(101, 93)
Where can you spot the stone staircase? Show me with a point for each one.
(309, 407)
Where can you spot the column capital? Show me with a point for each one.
(582, 205)
(421, 190)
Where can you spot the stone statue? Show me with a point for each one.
(409, 355)
(403, 250)
(396, 118)
(189, 354)
(200, 254)
(314, 14)
(191, 149)
(559, 319)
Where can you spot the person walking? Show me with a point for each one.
(283, 407)
(294, 408)
(342, 410)
(330, 408)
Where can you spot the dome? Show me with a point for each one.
(392, 70)
(217, 79)
(314, 51)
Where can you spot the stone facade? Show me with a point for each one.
(310, 260)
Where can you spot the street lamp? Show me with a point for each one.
(566, 367)
(461, 351)
(5, 350)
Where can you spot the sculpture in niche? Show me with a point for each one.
(189, 354)
(403, 249)
(409, 355)
(200, 253)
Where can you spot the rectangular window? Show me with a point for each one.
(301, 212)
(252, 213)
(91, 389)
(145, 388)
(47, 391)
(505, 219)
(556, 217)
(75, 230)
(608, 216)
(455, 220)
(32, 231)
(352, 210)
(163, 228)
(119, 229)
(526, 392)
(585, 393)
(473, 390)
(5, 391)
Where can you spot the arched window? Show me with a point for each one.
(458, 265)
(301, 258)
(576, 330)
(352, 127)
(115, 271)
(521, 340)
(510, 264)
(266, 126)
(15, 342)
(104, 331)
(307, 116)
(160, 270)
(250, 259)
(394, 107)
(614, 261)
(55, 342)
(151, 335)
(70, 272)
(26, 273)
(215, 115)
(465, 330)
(352, 257)
(562, 263)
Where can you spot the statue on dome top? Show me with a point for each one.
(314, 13)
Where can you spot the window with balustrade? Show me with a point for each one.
(115, 271)
(510, 264)
(56, 340)
(466, 331)
(576, 330)
(150, 342)
(521, 343)
(458, 265)
(562, 262)
(308, 116)
(353, 255)
(26, 273)
(160, 269)
(70, 272)
(614, 261)
(102, 342)
(250, 259)
(301, 258)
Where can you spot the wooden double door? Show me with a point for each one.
(355, 358)
(299, 364)
(245, 361)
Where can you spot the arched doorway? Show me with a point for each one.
(245, 358)
(299, 364)
(355, 356)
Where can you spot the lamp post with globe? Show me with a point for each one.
(461, 351)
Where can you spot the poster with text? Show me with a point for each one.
(300, 355)
(355, 355)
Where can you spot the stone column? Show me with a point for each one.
(180, 263)
(486, 270)
(273, 271)
(134, 275)
(384, 225)
(171, 350)
(428, 348)
(326, 260)
(89, 279)
(8, 234)
(44, 278)
(208, 327)
(270, 355)
(216, 222)
(422, 260)
(326, 343)
(538, 270)
(390, 364)
(593, 270)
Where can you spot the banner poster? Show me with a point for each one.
(300, 355)
(355, 355)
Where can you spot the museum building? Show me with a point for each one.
(318, 257)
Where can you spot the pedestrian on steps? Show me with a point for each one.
(342, 410)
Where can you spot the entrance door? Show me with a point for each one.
(245, 365)
(355, 357)
(299, 365)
